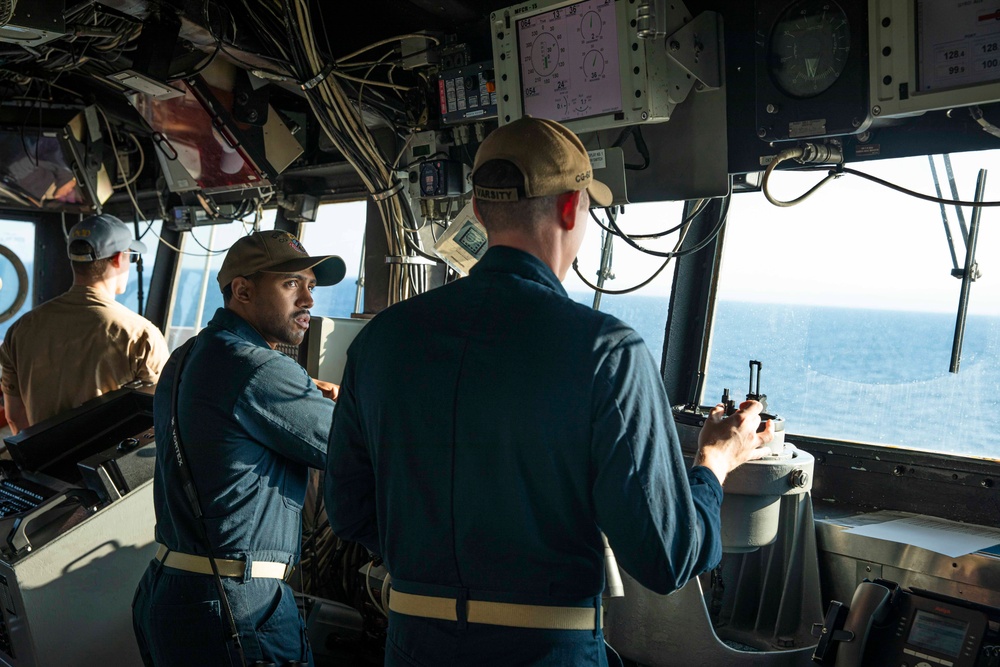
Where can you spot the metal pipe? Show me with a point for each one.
(360, 282)
(954, 195)
(605, 271)
(944, 214)
(200, 311)
(968, 276)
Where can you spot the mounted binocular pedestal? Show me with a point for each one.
(758, 606)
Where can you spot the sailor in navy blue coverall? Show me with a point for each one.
(252, 423)
(499, 427)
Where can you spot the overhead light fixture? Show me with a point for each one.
(143, 84)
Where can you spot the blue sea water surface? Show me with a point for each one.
(875, 376)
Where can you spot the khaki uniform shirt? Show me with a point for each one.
(76, 347)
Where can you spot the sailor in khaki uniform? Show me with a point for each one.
(83, 343)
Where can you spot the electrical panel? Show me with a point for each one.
(468, 93)
(441, 178)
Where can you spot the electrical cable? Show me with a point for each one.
(421, 253)
(138, 269)
(128, 186)
(635, 131)
(386, 591)
(604, 290)
(723, 215)
(797, 153)
(610, 292)
(698, 208)
(600, 223)
(388, 40)
(368, 588)
(368, 82)
(201, 245)
(138, 210)
(118, 161)
(205, 64)
(611, 648)
(918, 195)
(142, 164)
(7, 8)
(341, 121)
(811, 153)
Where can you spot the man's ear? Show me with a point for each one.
(242, 289)
(118, 259)
(567, 204)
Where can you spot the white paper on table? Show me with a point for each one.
(950, 538)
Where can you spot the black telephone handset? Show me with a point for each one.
(870, 606)
(887, 625)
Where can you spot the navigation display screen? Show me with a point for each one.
(937, 633)
(569, 61)
(958, 44)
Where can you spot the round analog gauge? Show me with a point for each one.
(590, 26)
(593, 64)
(545, 54)
(809, 46)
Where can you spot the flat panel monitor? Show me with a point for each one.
(932, 54)
(938, 633)
(583, 64)
(193, 153)
(568, 58)
(52, 168)
(204, 144)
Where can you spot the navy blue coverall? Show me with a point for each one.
(497, 427)
(252, 422)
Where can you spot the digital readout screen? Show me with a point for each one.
(937, 633)
(569, 61)
(958, 44)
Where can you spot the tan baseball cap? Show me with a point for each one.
(277, 252)
(551, 158)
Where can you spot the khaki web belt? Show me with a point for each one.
(496, 613)
(227, 568)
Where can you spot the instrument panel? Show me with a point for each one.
(811, 69)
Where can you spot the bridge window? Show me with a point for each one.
(196, 292)
(339, 229)
(644, 309)
(849, 302)
(149, 234)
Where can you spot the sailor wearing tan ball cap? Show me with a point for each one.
(521, 426)
(249, 423)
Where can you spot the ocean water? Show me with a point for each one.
(863, 375)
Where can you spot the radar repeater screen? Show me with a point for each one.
(569, 61)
